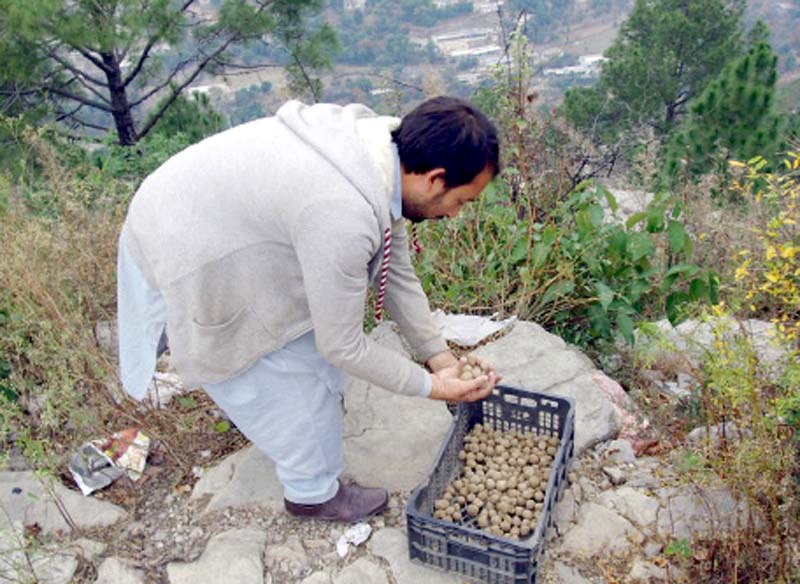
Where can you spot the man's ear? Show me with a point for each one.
(435, 179)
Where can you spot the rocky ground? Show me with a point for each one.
(627, 514)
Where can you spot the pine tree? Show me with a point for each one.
(734, 118)
(663, 57)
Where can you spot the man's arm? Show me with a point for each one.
(408, 305)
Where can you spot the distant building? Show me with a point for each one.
(462, 42)
(588, 66)
(486, 6)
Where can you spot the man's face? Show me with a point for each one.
(425, 196)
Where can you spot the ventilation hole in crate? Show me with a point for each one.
(529, 402)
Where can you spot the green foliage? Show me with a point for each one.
(95, 64)
(575, 272)
(192, 116)
(57, 272)
(734, 118)
(186, 122)
(664, 55)
(379, 34)
(247, 104)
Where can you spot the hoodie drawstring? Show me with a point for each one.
(415, 239)
(387, 253)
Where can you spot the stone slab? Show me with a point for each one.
(599, 532)
(232, 556)
(28, 500)
(392, 545)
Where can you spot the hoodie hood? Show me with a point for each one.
(327, 127)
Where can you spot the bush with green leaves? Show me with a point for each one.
(579, 272)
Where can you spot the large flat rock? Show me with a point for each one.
(392, 545)
(529, 357)
(599, 532)
(28, 500)
(232, 556)
(244, 478)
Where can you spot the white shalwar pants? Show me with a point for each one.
(288, 403)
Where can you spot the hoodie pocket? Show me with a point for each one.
(229, 345)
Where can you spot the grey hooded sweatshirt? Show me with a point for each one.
(260, 233)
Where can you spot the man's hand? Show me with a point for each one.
(441, 360)
(447, 385)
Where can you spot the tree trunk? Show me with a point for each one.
(123, 118)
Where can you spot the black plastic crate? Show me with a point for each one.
(468, 550)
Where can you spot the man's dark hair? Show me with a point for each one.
(449, 133)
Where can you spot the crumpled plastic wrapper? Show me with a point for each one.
(357, 534)
(92, 469)
(469, 330)
(98, 463)
(128, 449)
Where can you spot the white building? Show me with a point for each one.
(354, 4)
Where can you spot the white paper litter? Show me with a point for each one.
(356, 535)
(468, 330)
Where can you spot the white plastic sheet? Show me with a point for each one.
(469, 330)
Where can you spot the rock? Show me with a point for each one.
(713, 436)
(43, 566)
(691, 510)
(289, 557)
(569, 575)
(643, 572)
(674, 389)
(106, 336)
(693, 338)
(596, 419)
(589, 540)
(635, 506)
(615, 474)
(232, 556)
(620, 451)
(362, 571)
(243, 478)
(27, 500)
(565, 511)
(317, 578)
(163, 387)
(652, 549)
(628, 203)
(392, 545)
(88, 548)
(118, 571)
(390, 440)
